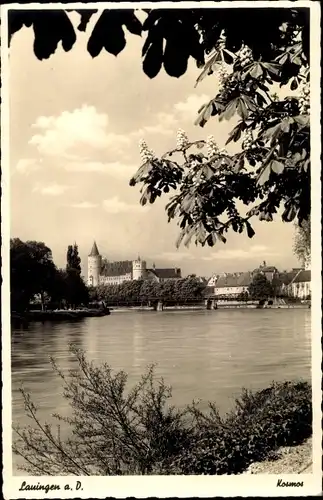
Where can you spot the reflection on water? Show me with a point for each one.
(203, 354)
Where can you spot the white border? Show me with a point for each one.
(167, 486)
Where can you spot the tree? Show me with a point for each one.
(76, 291)
(32, 271)
(188, 289)
(59, 289)
(250, 51)
(260, 288)
(243, 296)
(73, 258)
(302, 242)
(217, 192)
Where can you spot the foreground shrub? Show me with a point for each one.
(260, 423)
(115, 432)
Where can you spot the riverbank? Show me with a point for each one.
(59, 315)
(286, 460)
(152, 309)
(203, 307)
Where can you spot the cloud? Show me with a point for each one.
(167, 123)
(115, 206)
(27, 165)
(188, 109)
(51, 190)
(175, 256)
(240, 254)
(164, 124)
(85, 126)
(115, 169)
(84, 205)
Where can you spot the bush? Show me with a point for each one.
(280, 415)
(115, 432)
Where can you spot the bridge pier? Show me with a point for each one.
(160, 305)
(211, 304)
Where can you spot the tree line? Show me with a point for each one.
(146, 292)
(35, 278)
(175, 292)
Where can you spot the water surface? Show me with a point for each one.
(208, 355)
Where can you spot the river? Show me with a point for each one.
(208, 355)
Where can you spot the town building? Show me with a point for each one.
(271, 272)
(295, 283)
(299, 285)
(103, 272)
(232, 285)
(285, 278)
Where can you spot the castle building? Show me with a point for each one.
(103, 272)
(94, 263)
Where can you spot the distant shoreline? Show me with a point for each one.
(63, 315)
(59, 315)
(203, 308)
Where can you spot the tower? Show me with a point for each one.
(93, 266)
(138, 269)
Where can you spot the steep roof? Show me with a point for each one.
(234, 280)
(118, 268)
(166, 273)
(94, 252)
(303, 276)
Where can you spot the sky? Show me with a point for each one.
(75, 123)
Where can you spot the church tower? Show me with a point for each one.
(139, 269)
(93, 266)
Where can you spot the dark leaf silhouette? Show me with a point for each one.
(236, 132)
(294, 84)
(86, 15)
(96, 41)
(17, 19)
(153, 60)
(250, 230)
(213, 63)
(47, 39)
(175, 58)
(108, 32)
(289, 213)
(205, 112)
(132, 23)
(152, 51)
(227, 56)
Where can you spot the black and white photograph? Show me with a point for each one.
(161, 250)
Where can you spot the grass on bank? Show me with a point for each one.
(115, 431)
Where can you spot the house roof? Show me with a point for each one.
(266, 269)
(94, 252)
(287, 277)
(234, 280)
(119, 268)
(166, 273)
(303, 276)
